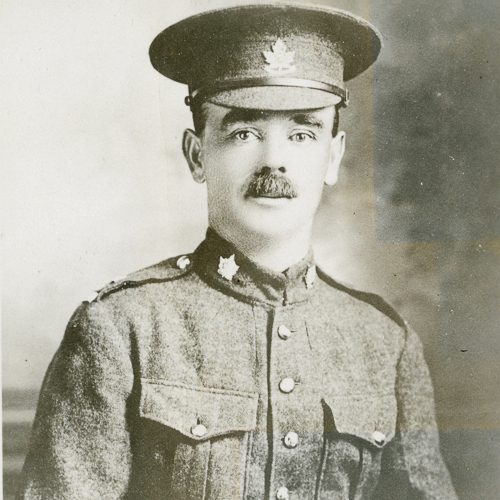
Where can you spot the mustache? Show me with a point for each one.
(271, 184)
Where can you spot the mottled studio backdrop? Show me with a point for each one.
(94, 186)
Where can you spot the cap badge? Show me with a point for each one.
(310, 276)
(279, 60)
(228, 267)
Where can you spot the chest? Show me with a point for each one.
(324, 348)
(277, 397)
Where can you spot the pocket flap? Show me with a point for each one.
(198, 412)
(372, 418)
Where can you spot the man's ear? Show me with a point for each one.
(191, 147)
(336, 155)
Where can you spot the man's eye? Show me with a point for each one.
(245, 135)
(302, 137)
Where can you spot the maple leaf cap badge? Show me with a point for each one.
(279, 60)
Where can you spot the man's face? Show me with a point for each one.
(264, 170)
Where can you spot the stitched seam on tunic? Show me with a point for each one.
(322, 466)
(250, 439)
(269, 478)
(369, 298)
(124, 285)
(248, 457)
(225, 392)
(204, 476)
(256, 349)
(406, 335)
(364, 396)
(308, 336)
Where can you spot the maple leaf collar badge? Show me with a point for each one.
(228, 267)
(279, 60)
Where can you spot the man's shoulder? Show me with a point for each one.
(165, 271)
(361, 301)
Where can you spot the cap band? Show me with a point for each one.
(269, 82)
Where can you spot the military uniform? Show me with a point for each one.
(208, 377)
(196, 380)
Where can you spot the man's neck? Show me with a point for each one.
(276, 253)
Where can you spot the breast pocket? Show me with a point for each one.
(211, 426)
(358, 428)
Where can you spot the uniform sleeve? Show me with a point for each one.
(412, 464)
(80, 446)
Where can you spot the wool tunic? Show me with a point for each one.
(179, 383)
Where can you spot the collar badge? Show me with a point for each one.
(183, 262)
(310, 276)
(279, 60)
(228, 267)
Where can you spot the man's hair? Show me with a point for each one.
(199, 118)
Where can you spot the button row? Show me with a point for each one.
(287, 385)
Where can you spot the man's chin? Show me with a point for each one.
(270, 219)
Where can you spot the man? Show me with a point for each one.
(241, 370)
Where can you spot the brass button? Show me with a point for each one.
(379, 437)
(282, 494)
(287, 385)
(291, 440)
(283, 332)
(198, 430)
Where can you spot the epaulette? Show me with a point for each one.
(166, 270)
(370, 298)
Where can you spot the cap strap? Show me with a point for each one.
(268, 82)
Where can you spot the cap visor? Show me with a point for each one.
(275, 98)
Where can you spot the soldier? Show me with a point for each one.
(242, 370)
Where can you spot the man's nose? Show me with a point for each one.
(273, 158)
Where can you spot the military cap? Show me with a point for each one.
(274, 56)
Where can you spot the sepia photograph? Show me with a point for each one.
(250, 249)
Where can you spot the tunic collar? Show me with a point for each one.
(247, 280)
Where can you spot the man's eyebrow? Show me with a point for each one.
(308, 119)
(238, 115)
